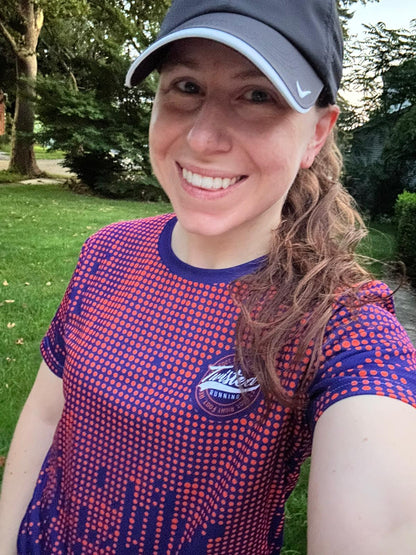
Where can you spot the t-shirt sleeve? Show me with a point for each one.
(101, 262)
(366, 352)
(52, 346)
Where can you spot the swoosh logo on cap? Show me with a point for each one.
(301, 92)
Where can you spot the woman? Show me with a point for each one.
(205, 355)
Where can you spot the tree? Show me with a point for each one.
(84, 107)
(382, 159)
(375, 62)
(345, 10)
(21, 27)
(21, 22)
(399, 151)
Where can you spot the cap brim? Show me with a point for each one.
(268, 50)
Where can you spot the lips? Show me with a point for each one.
(209, 183)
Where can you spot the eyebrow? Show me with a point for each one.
(171, 62)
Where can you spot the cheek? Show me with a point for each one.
(164, 131)
(280, 160)
(154, 128)
(153, 155)
(162, 147)
(158, 139)
(284, 149)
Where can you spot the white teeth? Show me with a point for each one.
(208, 183)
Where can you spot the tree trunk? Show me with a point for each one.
(2, 113)
(23, 156)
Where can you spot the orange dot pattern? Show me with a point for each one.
(157, 452)
(368, 353)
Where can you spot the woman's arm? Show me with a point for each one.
(31, 441)
(362, 488)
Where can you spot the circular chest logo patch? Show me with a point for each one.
(224, 391)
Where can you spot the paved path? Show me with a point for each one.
(53, 167)
(405, 303)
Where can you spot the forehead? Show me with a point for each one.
(199, 53)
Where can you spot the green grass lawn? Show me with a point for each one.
(380, 247)
(42, 228)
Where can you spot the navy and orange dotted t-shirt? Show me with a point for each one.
(157, 452)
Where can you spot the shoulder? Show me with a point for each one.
(124, 238)
(368, 324)
(124, 231)
(119, 245)
(369, 313)
(376, 294)
(366, 351)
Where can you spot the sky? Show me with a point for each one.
(394, 13)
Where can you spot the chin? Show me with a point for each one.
(206, 225)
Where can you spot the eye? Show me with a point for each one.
(188, 87)
(258, 96)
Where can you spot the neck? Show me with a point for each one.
(215, 252)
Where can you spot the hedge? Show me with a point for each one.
(405, 212)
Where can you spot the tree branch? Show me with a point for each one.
(9, 37)
(71, 75)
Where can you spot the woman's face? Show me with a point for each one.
(225, 146)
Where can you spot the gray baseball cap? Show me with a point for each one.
(297, 44)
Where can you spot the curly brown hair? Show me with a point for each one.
(311, 261)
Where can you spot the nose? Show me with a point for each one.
(209, 132)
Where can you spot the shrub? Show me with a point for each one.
(109, 175)
(405, 213)
(104, 133)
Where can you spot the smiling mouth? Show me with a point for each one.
(209, 183)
